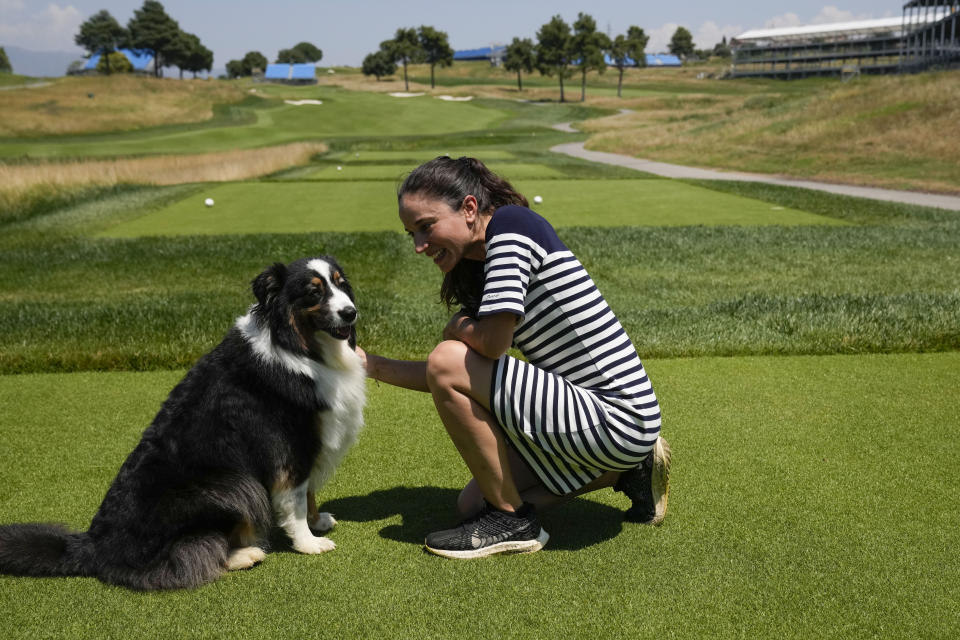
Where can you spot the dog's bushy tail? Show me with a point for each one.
(43, 550)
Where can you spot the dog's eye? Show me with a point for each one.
(318, 284)
(337, 278)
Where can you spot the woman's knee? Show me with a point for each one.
(447, 365)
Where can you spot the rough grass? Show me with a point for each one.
(884, 131)
(811, 497)
(119, 102)
(19, 181)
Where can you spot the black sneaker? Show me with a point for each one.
(490, 531)
(648, 486)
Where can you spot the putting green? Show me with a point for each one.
(396, 172)
(297, 207)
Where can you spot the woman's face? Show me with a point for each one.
(444, 234)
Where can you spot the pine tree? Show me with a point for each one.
(520, 55)
(554, 56)
(102, 34)
(152, 29)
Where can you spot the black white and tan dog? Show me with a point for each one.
(243, 442)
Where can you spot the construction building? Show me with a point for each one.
(926, 36)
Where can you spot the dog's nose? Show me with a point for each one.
(349, 314)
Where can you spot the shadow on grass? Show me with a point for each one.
(574, 525)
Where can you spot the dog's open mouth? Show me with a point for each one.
(340, 333)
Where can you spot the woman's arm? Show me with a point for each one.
(490, 336)
(409, 374)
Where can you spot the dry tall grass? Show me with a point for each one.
(116, 103)
(18, 181)
(893, 131)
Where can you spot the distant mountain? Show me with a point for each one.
(39, 64)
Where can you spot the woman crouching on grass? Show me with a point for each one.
(578, 415)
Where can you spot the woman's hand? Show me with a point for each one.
(454, 328)
(489, 336)
(363, 358)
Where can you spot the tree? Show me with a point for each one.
(405, 48)
(588, 47)
(234, 69)
(722, 49)
(436, 49)
(379, 64)
(179, 50)
(681, 44)
(152, 29)
(114, 60)
(309, 52)
(5, 66)
(290, 56)
(253, 62)
(198, 57)
(102, 34)
(629, 51)
(554, 44)
(520, 55)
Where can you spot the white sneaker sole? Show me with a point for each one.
(511, 546)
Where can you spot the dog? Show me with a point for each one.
(241, 444)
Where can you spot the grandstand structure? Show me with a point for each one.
(305, 73)
(927, 35)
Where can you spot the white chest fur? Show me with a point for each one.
(339, 382)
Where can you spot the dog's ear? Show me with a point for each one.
(270, 282)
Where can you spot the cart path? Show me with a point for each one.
(577, 150)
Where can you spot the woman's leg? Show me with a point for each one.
(459, 380)
(530, 487)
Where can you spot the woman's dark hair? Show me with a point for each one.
(449, 180)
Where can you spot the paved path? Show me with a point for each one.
(676, 171)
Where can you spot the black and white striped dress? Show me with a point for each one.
(582, 403)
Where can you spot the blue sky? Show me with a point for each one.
(347, 30)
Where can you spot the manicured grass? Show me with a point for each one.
(341, 114)
(288, 207)
(811, 496)
(397, 172)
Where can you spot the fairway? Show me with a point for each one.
(397, 172)
(796, 493)
(341, 114)
(297, 207)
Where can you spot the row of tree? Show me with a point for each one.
(255, 62)
(150, 29)
(410, 46)
(560, 51)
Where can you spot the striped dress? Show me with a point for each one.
(581, 404)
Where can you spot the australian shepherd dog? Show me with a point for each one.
(243, 442)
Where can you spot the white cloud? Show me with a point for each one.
(828, 14)
(704, 37)
(710, 33)
(51, 29)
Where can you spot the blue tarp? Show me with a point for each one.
(283, 71)
(655, 60)
(139, 58)
(484, 53)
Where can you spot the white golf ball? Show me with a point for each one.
(537, 199)
(339, 168)
(208, 202)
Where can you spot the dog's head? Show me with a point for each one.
(308, 304)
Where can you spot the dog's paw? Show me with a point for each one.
(323, 522)
(244, 558)
(314, 545)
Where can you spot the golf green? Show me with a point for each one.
(297, 207)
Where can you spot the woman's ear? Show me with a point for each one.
(470, 209)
